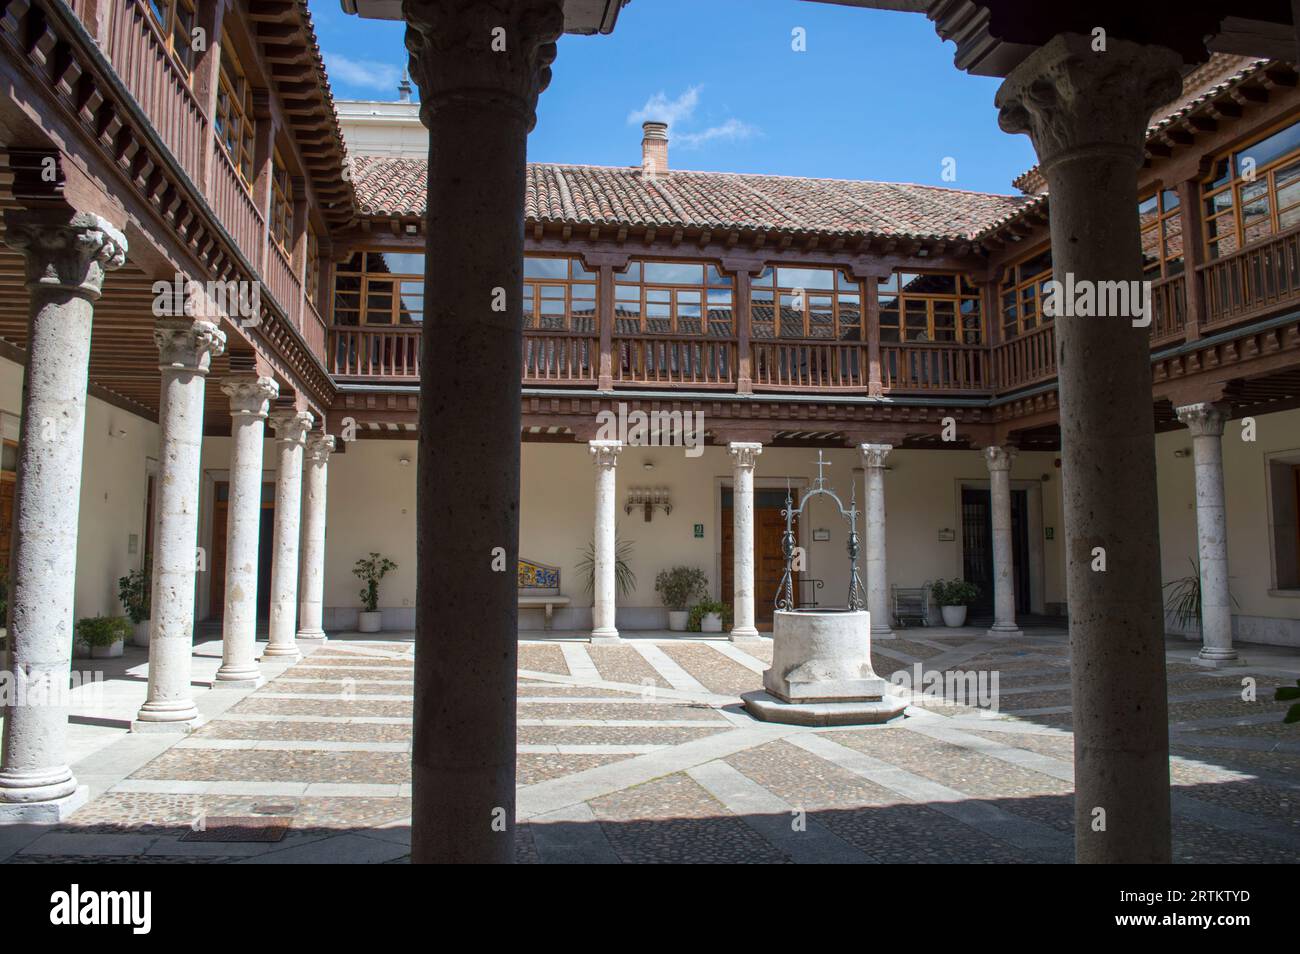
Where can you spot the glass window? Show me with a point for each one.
(1161, 224)
(281, 205)
(1022, 288)
(674, 298)
(559, 295)
(370, 290)
(233, 123)
(175, 22)
(821, 304)
(929, 307)
(1253, 194)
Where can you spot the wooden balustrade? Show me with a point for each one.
(1168, 309)
(1028, 359)
(808, 365)
(560, 358)
(376, 352)
(1253, 281)
(284, 284)
(699, 362)
(140, 57)
(235, 207)
(934, 366)
(314, 330)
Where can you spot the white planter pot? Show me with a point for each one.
(140, 634)
(711, 623)
(677, 620)
(106, 652)
(369, 622)
(954, 616)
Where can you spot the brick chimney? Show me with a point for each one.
(654, 149)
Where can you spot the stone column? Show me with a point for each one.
(1004, 576)
(291, 429)
(186, 348)
(878, 602)
(604, 608)
(250, 398)
(1087, 113)
(66, 255)
(311, 585)
(744, 457)
(478, 97)
(1206, 421)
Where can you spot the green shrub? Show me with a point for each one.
(701, 610)
(370, 570)
(954, 592)
(624, 578)
(133, 591)
(681, 586)
(103, 630)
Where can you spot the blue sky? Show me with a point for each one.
(873, 96)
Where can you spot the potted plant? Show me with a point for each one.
(370, 570)
(709, 616)
(624, 578)
(1183, 602)
(679, 588)
(133, 591)
(104, 635)
(953, 597)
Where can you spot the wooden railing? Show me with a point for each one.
(1168, 309)
(699, 362)
(808, 365)
(1027, 359)
(284, 284)
(157, 83)
(235, 207)
(374, 352)
(560, 358)
(934, 366)
(313, 329)
(1253, 281)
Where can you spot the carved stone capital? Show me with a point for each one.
(187, 345)
(745, 453)
(1075, 102)
(1205, 419)
(65, 252)
(873, 455)
(490, 52)
(605, 453)
(999, 458)
(250, 395)
(319, 448)
(291, 426)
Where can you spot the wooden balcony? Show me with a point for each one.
(1253, 282)
(809, 366)
(375, 353)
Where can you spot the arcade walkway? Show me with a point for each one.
(639, 753)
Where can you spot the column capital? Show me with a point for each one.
(488, 53)
(605, 453)
(319, 448)
(291, 425)
(873, 455)
(65, 252)
(250, 394)
(187, 345)
(746, 453)
(1076, 102)
(1205, 419)
(999, 458)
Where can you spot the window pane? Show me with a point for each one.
(537, 267)
(674, 273)
(1271, 149)
(820, 278)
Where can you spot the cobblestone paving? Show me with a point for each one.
(642, 753)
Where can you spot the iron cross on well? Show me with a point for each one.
(821, 480)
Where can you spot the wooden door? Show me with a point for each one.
(769, 562)
(217, 558)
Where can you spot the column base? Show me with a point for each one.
(1004, 631)
(745, 634)
(241, 679)
(281, 652)
(883, 634)
(48, 812)
(167, 717)
(605, 637)
(1218, 658)
(316, 637)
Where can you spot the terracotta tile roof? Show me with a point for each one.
(622, 196)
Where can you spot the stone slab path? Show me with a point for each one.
(640, 752)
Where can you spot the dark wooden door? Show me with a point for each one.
(977, 547)
(769, 562)
(217, 559)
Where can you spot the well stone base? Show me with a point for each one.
(765, 706)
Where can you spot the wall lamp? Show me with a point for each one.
(648, 498)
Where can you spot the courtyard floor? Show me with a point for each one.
(641, 752)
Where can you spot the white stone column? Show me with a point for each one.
(66, 256)
(744, 457)
(250, 397)
(878, 602)
(311, 584)
(1004, 581)
(186, 348)
(291, 429)
(604, 454)
(1206, 421)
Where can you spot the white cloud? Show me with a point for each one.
(733, 130)
(369, 74)
(659, 108)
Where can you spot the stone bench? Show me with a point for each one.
(539, 586)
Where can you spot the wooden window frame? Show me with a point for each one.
(1162, 225)
(1017, 283)
(393, 281)
(674, 292)
(844, 287)
(282, 205)
(965, 290)
(311, 271)
(535, 293)
(165, 24)
(1225, 180)
(234, 111)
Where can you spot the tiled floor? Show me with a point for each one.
(641, 753)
